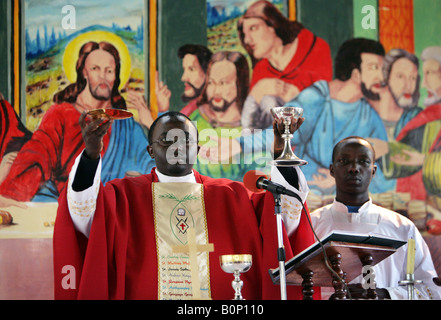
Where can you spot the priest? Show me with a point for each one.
(116, 242)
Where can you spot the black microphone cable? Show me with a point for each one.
(323, 249)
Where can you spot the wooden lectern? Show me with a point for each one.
(347, 255)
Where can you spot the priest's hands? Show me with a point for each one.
(279, 129)
(93, 131)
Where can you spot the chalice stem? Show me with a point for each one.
(287, 123)
(287, 158)
(237, 286)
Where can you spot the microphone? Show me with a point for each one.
(256, 181)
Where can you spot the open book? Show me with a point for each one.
(362, 238)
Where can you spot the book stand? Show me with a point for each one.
(347, 259)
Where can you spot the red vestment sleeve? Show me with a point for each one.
(117, 260)
(302, 238)
(68, 254)
(87, 257)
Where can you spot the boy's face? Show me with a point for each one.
(353, 167)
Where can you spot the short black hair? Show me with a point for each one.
(349, 56)
(202, 53)
(334, 151)
(174, 115)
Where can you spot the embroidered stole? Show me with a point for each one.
(178, 207)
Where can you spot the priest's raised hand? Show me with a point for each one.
(93, 130)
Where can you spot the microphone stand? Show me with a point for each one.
(281, 248)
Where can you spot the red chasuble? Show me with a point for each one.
(119, 260)
(49, 155)
(311, 62)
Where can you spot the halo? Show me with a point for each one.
(72, 50)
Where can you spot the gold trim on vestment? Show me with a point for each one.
(176, 208)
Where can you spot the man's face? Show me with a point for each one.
(371, 75)
(193, 77)
(402, 82)
(258, 36)
(221, 86)
(353, 167)
(432, 81)
(174, 146)
(99, 70)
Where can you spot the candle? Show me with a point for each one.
(410, 256)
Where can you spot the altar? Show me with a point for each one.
(26, 261)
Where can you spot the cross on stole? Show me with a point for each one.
(192, 248)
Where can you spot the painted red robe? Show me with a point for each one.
(119, 260)
(12, 132)
(190, 107)
(311, 62)
(49, 155)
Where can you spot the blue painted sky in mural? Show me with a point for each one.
(219, 11)
(43, 27)
(39, 12)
